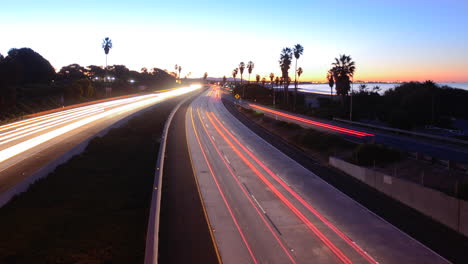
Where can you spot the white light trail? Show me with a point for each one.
(145, 101)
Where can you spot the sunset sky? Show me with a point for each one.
(389, 40)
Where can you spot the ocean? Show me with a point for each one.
(325, 89)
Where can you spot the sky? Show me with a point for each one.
(389, 40)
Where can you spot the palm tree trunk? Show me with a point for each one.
(295, 86)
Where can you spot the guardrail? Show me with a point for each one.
(151, 249)
(401, 131)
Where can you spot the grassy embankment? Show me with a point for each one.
(94, 208)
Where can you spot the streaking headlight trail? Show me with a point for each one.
(129, 105)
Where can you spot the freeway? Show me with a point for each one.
(263, 207)
(29, 145)
(431, 147)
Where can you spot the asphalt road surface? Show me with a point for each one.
(264, 207)
(431, 147)
(29, 145)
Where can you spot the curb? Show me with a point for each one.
(152, 234)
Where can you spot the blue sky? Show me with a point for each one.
(389, 40)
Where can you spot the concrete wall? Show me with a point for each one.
(439, 206)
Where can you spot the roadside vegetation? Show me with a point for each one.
(94, 208)
(29, 83)
(410, 105)
(321, 145)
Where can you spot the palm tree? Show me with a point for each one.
(107, 45)
(297, 50)
(299, 73)
(234, 74)
(285, 64)
(263, 81)
(241, 69)
(250, 66)
(343, 71)
(272, 77)
(176, 70)
(180, 69)
(257, 78)
(331, 82)
(205, 76)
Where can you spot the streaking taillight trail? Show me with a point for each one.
(338, 129)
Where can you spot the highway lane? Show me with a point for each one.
(266, 208)
(444, 151)
(28, 145)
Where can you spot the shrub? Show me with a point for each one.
(463, 190)
(367, 154)
(321, 141)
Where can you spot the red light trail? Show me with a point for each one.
(338, 129)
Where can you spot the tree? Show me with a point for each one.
(234, 74)
(205, 76)
(264, 81)
(95, 71)
(343, 71)
(272, 77)
(285, 64)
(297, 50)
(250, 66)
(224, 79)
(241, 69)
(257, 78)
(331, 82)
(179, 69)
(72, 72)
(299, 73)
(176, 70)
(107, 45)
(25, 66)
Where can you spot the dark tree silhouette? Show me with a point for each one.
(343, 71)
(107, 46)
(205, 76)
(180, 69)
(298, 50)
(224, 79)
(272, 78)
(241, 69)
(285, 65)
(257, 78)
(95, 71)
(250, 66)
(331, 82)
(234, 74)
(72, 72)
(299, 73)
(25, 66)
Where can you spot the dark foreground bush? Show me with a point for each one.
(94, 208)
(368, 154)
(287, 125)
(463, 190)
(322, 141)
